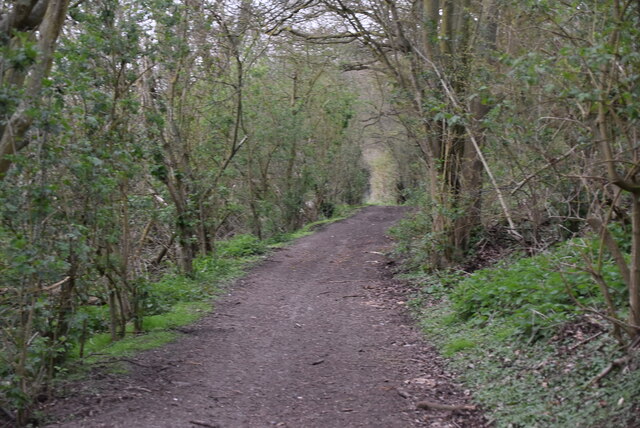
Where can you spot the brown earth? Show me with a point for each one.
(315, 336)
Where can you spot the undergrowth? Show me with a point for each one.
(517, 338)
(539, 384)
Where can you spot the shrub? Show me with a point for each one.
(242, 246)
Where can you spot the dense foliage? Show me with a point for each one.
(136, 136)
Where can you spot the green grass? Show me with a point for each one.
(343, 212)
(101, 347)
(173, 301)
(457, 345)
(156, 333)
(533, 292)
(181, 314)
(241, 246)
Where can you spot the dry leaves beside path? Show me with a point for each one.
(315, 336)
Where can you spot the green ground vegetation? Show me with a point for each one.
(527, 335)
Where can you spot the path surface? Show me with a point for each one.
(313, 337)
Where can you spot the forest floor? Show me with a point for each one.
(317, 335)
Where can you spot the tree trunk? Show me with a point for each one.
(185, 242)
(634, 280)
(431, 17)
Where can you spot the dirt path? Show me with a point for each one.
(313, 337)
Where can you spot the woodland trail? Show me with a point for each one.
(315, 336)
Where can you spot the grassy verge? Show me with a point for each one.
(540, 384)
(342, 212)
(157, 328)
(516, 337)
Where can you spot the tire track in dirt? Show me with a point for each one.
(313, 337)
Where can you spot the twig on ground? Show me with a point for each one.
(427, 405)
(618, 362)
(402, 393)
(134, 362)
(137, 388)
(585, 341)
(204, 424)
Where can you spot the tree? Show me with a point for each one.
(29, 30)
